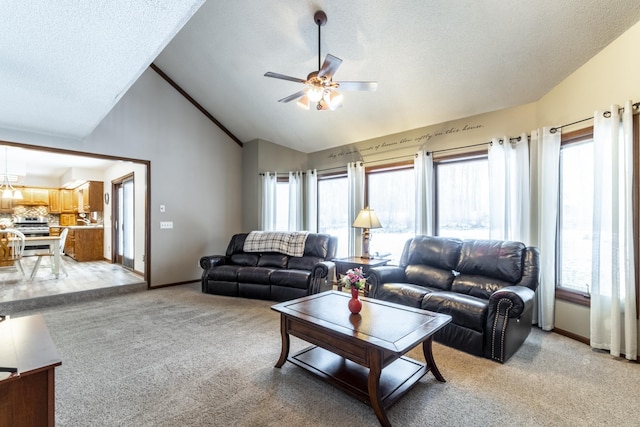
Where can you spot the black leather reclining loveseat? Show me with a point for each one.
(487, 286)
(257, 272)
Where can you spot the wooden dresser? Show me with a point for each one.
(27, 398)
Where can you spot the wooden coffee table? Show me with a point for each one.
(362, 354)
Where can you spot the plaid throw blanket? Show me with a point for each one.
(287, 242)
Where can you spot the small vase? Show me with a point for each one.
(355, 305)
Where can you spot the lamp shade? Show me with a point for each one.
(303, 102)
(367, 218)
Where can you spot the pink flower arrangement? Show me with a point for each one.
(355, 278)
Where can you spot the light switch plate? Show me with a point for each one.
(166, 224)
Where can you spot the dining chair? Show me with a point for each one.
(11, 250)
(50, 253)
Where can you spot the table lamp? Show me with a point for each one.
(366, 219)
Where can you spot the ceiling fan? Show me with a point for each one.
(321, 88)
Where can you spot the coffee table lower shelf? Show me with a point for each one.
(395, 380)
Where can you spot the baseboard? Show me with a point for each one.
(571, 335)
(166, 285)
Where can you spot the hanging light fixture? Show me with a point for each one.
(320, 87)
(7, 190)
(303, 102)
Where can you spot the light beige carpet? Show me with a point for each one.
(177, 357)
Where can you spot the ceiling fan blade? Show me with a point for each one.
(296, 95)
(370, 86)
(283, 77)
(329, 66)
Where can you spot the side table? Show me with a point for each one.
(366, 264)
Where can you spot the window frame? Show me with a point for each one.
(448, 159)
(581, 135)
(407, 165)
(562, 293)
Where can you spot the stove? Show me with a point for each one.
(32, 226)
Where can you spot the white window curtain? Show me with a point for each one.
(311, 201)
(545, 158)
(355, 179)
(296, 203)
(423, 169)
(509, 198)
(269, 205)
(613, 300)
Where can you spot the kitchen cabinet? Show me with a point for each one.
(85, 243)
(54, 201)
(90, 197)
(68, 201)
(33, 197)
(54, 231)
(67, 219)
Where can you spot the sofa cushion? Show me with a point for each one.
(258, 275)
(440, 252)
(317, 245)
(236, 244)
(290, 278)
(465, 310)
(431, 277)
(275, 260)
(224, 273)
(245, 259)
(492, 258)
(304, 262)
(402, 293)
(477, 286)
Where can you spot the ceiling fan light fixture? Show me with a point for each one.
(303, 102)
(333, 98)
(320, 87)
(315, 94)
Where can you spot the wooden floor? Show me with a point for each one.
(84, 280)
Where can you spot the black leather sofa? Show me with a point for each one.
(487, 286)
(270, 275)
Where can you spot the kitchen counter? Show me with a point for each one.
(85, 242)
(75, 227)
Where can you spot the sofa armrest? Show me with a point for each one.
(210, 261)
(511, 301)
(319, 275)
(385, 274)
(508, 321)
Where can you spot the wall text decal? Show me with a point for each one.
(404, 141)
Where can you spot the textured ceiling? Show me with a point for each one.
(64, 64)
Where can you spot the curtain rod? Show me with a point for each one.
(606, 114)
(514, 139)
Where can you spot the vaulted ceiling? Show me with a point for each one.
(65, 64)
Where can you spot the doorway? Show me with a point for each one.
(123, 221)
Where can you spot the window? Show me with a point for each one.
(391, 194)
(332, 210)
(575, 216)
(575, 213)
(462, 198)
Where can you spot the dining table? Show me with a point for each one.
(54, 247)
